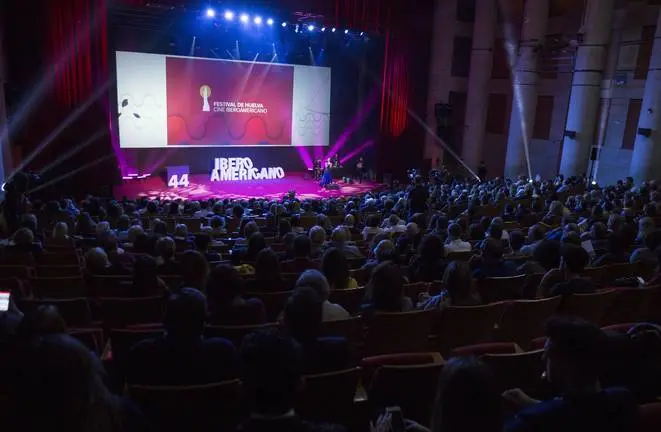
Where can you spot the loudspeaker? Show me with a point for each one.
(570, 134)
(646, 132)
(593, 153)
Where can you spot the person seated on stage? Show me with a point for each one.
(203, 244)
(165, 257)
(302, 318)
(335, 267)
(339, 239)
(273, 365)
(268, 276)
(317, 239)
(454, 242)
(227, 306)
(182, 356)
(372, 227)
(301, 261)
(574, 353)
(316, 280)
(194, 270)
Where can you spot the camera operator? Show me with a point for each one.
(15, 203)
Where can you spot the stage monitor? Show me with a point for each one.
(171, 101)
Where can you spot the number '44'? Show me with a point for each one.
(176, 181)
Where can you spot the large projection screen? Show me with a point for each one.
(171, 102)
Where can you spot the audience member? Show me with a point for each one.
(429, 263)
(267, 274)
(385, 290)
(491, 263)
(302, 318)
(182, 356)
(458, 289)
(316, 280)
(454, 242)
(301, 260)
(336, 269)
(194, 270)
(573, 356)
(227, 306)
(317, 239)
(146, 282)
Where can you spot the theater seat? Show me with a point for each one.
(486, 348)
(389, 333)
(328, 397)
(650, 417)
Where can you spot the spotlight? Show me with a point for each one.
(211, 13)
(323, 29)
(284, 24)
(594, 182)
(346, 31)
(269, 21)
(333, 29)
(310, 27)
(530, 181)
(229, 15)
(258, 20)
(362, 33)
(244, 18)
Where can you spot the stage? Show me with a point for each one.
(200, 188)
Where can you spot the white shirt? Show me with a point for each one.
(367, 231)
(334, 312)
(457, 246)
(397, 228)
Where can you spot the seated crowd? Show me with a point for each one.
(227, 256)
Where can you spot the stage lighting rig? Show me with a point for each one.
(229, 15)
(211, 13)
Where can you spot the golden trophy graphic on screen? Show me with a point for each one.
(205, 92)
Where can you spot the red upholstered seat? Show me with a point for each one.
(486, 348)
(650, 417)
(523, 320)
(477, 325)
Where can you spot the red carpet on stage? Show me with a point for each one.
(200, 188)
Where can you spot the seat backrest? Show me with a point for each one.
(328, 397)
(523, 320)
(75, 312)
(650, 417)
(349, 299)
(398, 332)
(460, 256)
(478, 350)
(466, 325)
(501, 288)
(590, 307)
(351, 329)
(274, 302)
(16, 271)
(411, 387)
(122, 340)
(613, 272)
(121, 312)
(110, 286)
(629, 305)
(215, 406)
(519, 370)
(92, 338)
(58, 270)
(361, 275)
(413, 290)
(68, 257)
(58, 287)
(235, 334)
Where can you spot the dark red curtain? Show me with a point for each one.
(78, 48)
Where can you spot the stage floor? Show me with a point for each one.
(200, 188)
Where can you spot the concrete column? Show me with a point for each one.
(440, 69)
(608, 84)
(646, 158)
(525, 77)
(478, 82)
(586, 87)
(5, 147)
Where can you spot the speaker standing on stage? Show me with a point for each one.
(327, 177)
(360, 169)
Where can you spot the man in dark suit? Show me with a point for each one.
(573, 352)
(182, 356)
(272, 366)
(301, 261)
(303, 317)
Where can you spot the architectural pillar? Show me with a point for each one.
(586, 88)
(440, 70)
(524, 82)
(5, 147)
(486, 14)
(646, 158)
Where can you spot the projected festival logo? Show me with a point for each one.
(212, 103)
